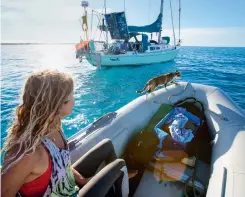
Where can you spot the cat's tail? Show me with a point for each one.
(144, 89)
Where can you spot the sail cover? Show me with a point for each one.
(117, 25)
(154, 27)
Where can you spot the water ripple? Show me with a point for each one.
(101, 91)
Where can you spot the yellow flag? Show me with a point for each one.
(85, 23)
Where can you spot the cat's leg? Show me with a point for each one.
(148, 89)
(165, 85)
(152, 88)
(174, 82)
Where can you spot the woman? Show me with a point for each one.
(37, 160)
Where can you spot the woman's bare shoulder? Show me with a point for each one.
(13, 177)
(29, 159)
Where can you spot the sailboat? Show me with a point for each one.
(123, 51)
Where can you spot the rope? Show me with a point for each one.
(177, 94)
(206, 107)
(158, 102)
(219, 115)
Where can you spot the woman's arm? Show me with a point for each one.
(15, 177)
(80, 180)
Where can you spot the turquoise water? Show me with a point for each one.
(100, 91)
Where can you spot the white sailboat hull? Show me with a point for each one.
(130, 59)
(227, 166)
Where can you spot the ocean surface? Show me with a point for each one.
(100, 91)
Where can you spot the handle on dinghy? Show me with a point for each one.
(99, 123)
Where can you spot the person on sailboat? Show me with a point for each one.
(124, 46)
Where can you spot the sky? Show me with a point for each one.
(203, 22)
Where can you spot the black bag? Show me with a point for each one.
(142, 147)
(144, 144)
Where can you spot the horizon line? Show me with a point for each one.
(64, 43)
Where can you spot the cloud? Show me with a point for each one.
(58, 21)
(227, 36)
(43, 21)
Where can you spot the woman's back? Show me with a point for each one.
(29, 168)
(35, 144)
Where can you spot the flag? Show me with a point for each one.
(85, 23)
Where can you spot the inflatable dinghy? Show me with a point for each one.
(226, 127)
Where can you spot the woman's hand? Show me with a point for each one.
(80, 180)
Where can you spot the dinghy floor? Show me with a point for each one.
(151, 186)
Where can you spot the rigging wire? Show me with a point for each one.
(149, 8)
(91, 29)
(124, 6)
(179, 18)
(99, 18)
(100, 35)
(106, 29)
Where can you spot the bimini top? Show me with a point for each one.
(154, 27)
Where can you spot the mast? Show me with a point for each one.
(86, 27)
(106, 27)
(161, 11)
(172, 22)
(179, 19)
